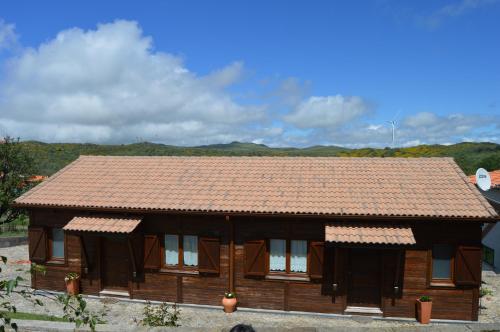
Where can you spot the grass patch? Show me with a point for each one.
(31, 316)
(14, 233)
(18, 227)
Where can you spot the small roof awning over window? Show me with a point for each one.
(106, 224)
(347, 232)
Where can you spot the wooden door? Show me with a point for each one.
(364, 278)
(115, 264)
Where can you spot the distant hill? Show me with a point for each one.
(50, 157)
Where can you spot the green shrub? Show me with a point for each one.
(161, 315)
(425, 298)
(485, 291)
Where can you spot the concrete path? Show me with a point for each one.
(39, 326)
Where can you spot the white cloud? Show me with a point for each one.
(455, 9)
(8, 37)
(437, 128)
(328, 112)
(291, 91)
(227, 75)
(419, 128)
(109, 85)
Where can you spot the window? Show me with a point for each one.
(277, 255)
(171, 249)
(287, 256)
(56, 244)
(298, 256)
(442, 263)
(190, 250)
(180, 254)
(489, 255)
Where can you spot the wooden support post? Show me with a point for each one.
(231, 254)
(396, 285)
(132, 257)
(335, 265)
(85, 256)
(398, 272)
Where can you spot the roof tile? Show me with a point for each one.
(103, 224)
(347, 232)
(429, 187)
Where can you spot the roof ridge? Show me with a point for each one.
(473, 189)
(267, 157)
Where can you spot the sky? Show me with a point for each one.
(280, 73)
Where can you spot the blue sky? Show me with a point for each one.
(282, 73)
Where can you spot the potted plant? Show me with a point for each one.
(229, 302)
(72, 280)
(424, 308)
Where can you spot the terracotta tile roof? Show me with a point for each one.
(103, 224)
(434, 187)
(346, 232)
(495, 178)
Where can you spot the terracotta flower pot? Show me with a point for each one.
(229, 304)
(73, 286)
(424, 311)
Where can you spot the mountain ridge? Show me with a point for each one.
(50, 157)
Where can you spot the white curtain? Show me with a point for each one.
(298, 256)
(277, 259)
(171, 249)
(190, 250)
(58, 242)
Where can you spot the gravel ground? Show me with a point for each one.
(126, 314)
(490, 304)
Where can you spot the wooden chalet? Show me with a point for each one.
(329, 235)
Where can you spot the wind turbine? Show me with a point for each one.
(393, 126)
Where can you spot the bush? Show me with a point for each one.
(76, 311)
(485, 292)
(162, 315)
(425, 298)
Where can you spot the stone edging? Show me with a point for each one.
(45, 326)
(291, 313)
(13, 241)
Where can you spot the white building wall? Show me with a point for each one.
(492, 240)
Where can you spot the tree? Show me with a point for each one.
(74, 306)
(13, 286)
(16, 166)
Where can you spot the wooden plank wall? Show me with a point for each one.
(282, 295)
(316, 296)
(448, 303)
(53, 278)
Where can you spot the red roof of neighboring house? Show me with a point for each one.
(495, 178)
(432, 187)
(37, 178)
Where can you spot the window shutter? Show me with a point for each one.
(208, 255)
(468, 266)
(316, 260)
(255, 258)
(151, 252)
(37, 244)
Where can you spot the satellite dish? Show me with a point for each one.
(483, 179)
